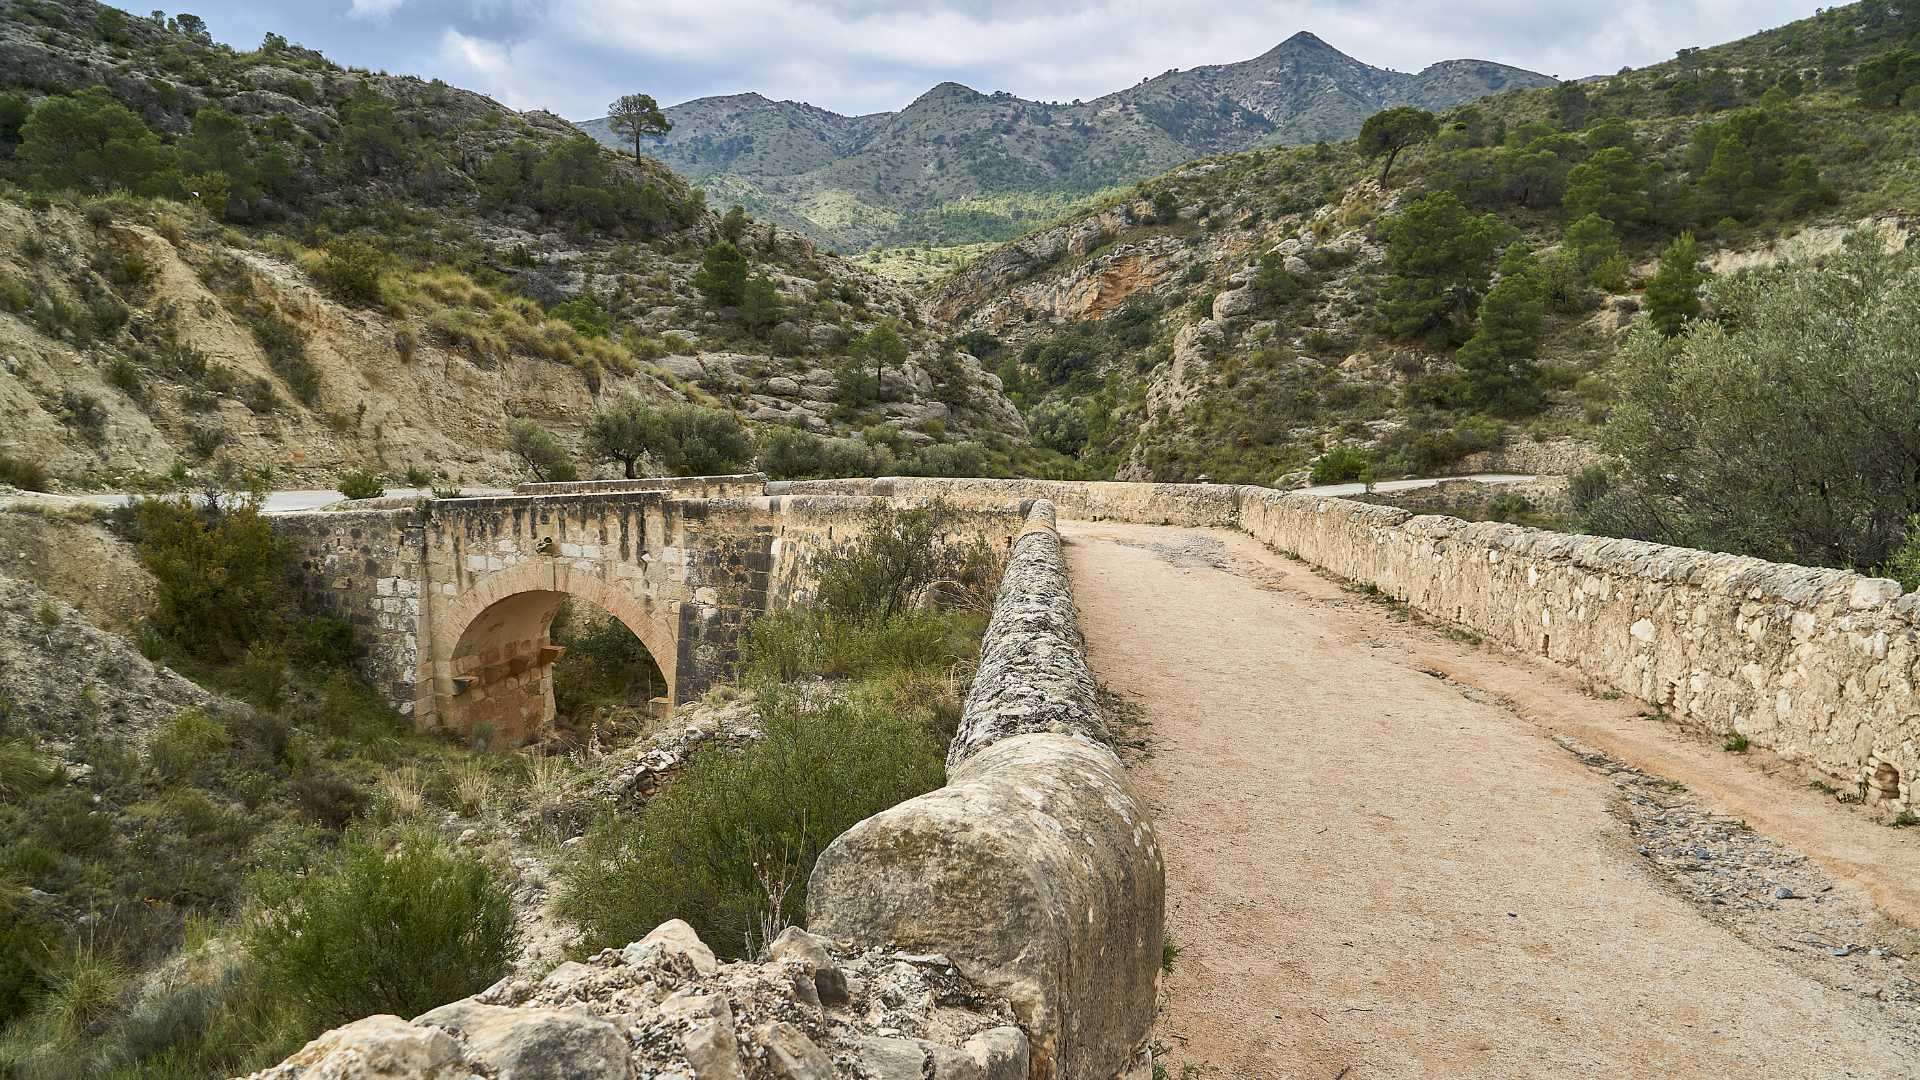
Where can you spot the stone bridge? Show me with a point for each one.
(453, 598)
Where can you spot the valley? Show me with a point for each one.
(1290, 567)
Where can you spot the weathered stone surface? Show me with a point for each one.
(792, 1055)
(376, 1048)
(1035, 868)
(1001, 1053)
(1033, 673)
(1235, 302)
(533, 1044)
(675, 938)
(646, 1012)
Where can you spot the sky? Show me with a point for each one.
(857, 56)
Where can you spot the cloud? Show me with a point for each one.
(378, 10)
(853, 56)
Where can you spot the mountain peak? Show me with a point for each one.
(946, 91)
(1306, 41)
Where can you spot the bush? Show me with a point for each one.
(1343, 465)
(394, 930)
(23, 474)
(1783, 428)
(361, 484)
(792, 454)
(352, 270)
(540, 452)
(221, 573)
(729, 844)
(898, 555)
(190, 747)
(686, 440)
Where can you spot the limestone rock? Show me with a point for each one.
(674, 938)
(534, 1044)
(1235, 302)
(713, 1051)
(1037, 871)
(792, 1055)
(376, 1048)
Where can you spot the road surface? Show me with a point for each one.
(1376, 869)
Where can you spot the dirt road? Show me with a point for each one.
(1382, 863)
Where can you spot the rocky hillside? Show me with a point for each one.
(1243, 316)
(311, 268)
(957, 165)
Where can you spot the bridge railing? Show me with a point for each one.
(1035, 869)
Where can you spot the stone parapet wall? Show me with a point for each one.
(1082, 500)
(729, 486)
(1035, 869)
(1817, 665)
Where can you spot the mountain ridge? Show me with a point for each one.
(959, 165)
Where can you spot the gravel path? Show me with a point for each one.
(1380, 866)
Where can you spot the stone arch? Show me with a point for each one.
(492, 660)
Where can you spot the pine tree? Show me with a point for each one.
(1497, 363)
(722, 277)
(1673, 293)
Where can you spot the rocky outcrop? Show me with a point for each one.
(663, 1007)
(1035, 868)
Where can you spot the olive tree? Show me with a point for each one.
(1787, 427)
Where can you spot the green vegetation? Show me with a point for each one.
(398, 928)
(220, 829)
(684, 440)
(23, 474)
(361, 484)
(1390, 131)
(638, 117)
(728, 845)
(1784, 427)
(541, 452)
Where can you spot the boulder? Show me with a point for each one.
(673, 938)
(377, 1048)
(792, 1055)
(1235, 302)
(533, 1044)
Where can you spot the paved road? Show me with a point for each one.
(1374, 873)
(1416, 484)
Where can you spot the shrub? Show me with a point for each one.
(1903, 565)
(190, 746)
(352, 270)
(540, 452)
(687, 440)
(728, 845)
(221, 575)
(899, 554)
(123, 375)
(1342, 465)
(23, 474)
(361, 484)
(397, 930)
(1783, 428)
(286, 351)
